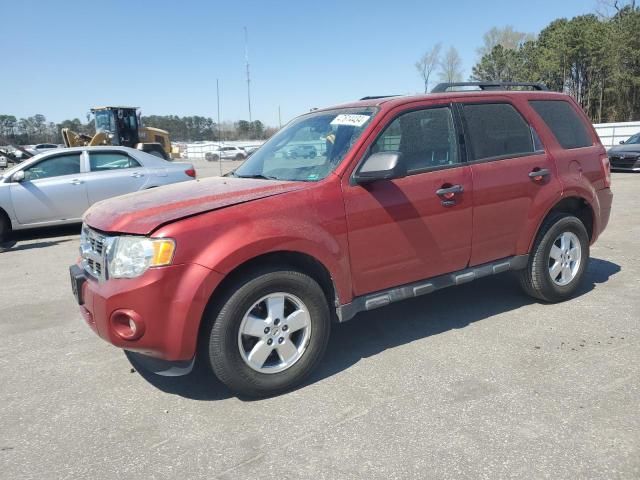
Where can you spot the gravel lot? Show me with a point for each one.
(472, 382)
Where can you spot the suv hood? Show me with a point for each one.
(143, 212)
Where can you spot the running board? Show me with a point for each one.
(416, 289)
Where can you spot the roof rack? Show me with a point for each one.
(458, 86)
(375, 97)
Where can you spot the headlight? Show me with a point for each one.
(130, 257)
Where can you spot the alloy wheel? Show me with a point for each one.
(274, 333)
(565, 258)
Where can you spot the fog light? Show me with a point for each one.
(127, 324)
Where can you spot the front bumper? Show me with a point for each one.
(628, 164)
(166, 304)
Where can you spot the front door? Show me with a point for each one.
(53, 190)
(419, 226)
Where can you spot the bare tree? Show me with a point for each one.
(428, 63)
(608, 8)
(451, 66)
(507, 37)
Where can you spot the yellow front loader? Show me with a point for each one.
(122, 126)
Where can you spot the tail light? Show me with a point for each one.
(606, 170)
(191, 172)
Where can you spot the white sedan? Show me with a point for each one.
(57, 187)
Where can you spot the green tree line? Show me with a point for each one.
(593, 58)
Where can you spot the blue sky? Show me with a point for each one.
(61, 58)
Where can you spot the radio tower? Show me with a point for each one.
(246, 59)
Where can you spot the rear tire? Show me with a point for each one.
(243, 329)
(211, 157)
(558, 259)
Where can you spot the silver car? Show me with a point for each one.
(226, 153)
(56, 187)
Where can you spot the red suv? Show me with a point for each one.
(406, 195)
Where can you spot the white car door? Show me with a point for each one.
(53, 190)
(112, 174)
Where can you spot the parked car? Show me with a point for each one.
(57, 187)
(247, 272)
(251, 150)
(626, 156)
(302, 151)
(43, 147)
(226, 153)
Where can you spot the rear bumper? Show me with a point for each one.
(605, 200)
(165, 303)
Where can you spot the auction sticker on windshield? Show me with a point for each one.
(350, 119)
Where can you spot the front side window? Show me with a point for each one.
(332, 133)
(54, 167)
(496, 130)
(564, 122)
(425, 138)
(106, 161)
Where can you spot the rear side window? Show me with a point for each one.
(564, 122)
(496, 130)
(101, 162)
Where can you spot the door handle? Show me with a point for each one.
(449, 192)
(76, 181)
(539, 174)
(137, 175)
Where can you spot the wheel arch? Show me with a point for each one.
(300, 261)
(296, 260)
(575, 205)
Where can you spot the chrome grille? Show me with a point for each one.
(93, 249)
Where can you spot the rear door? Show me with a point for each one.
(112, 174)
(402, 230)
(53, 190)
(514, 178)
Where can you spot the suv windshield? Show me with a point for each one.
(308, 148)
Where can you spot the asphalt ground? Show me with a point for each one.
(476, 381)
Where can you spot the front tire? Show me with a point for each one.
(269, 334)
(558, 259)
(5, 227)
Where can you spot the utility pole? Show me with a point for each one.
(219, 126)
(279, 118)
(246, 59)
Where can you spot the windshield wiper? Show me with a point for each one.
(258, 175)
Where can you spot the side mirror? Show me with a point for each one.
(381, 166)
(18, 176)
(621, 142)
